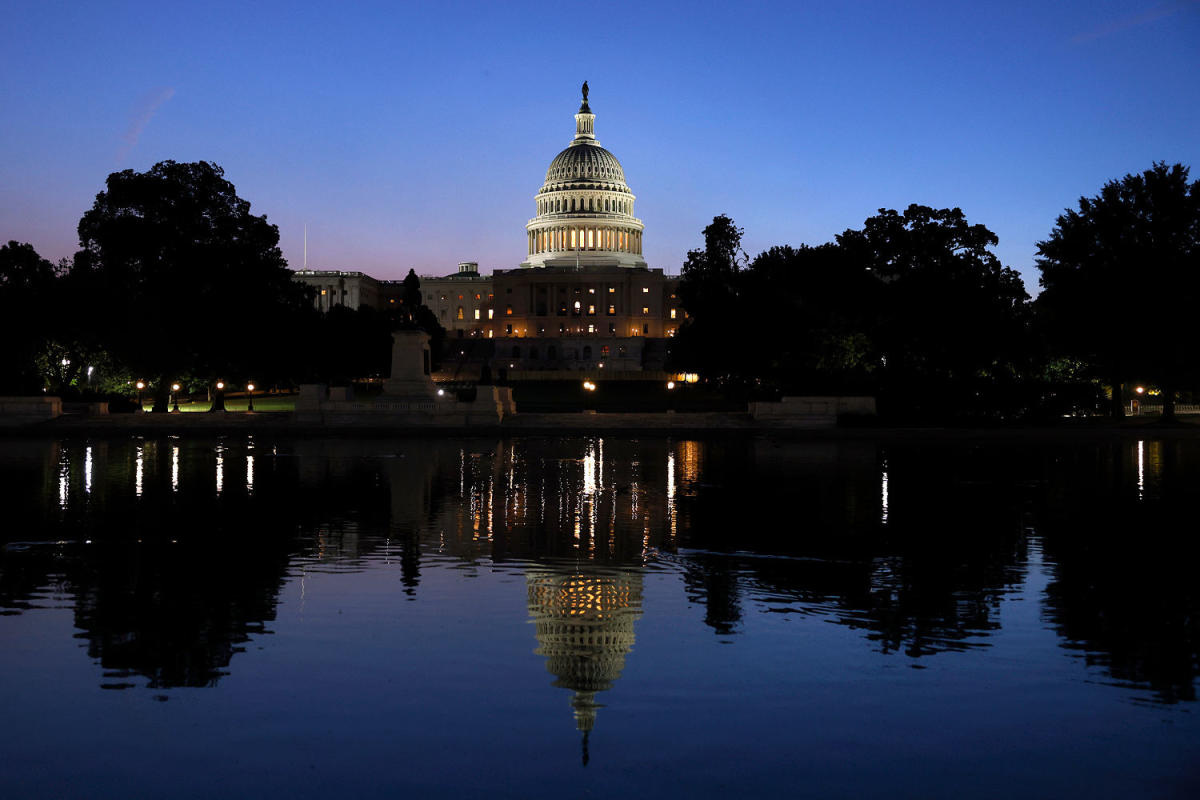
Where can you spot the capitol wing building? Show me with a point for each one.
(583, 298)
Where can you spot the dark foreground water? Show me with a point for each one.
(605, 617)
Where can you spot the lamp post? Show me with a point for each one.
(218, 403)
(249, 396)
(140, 386)
(175, 396)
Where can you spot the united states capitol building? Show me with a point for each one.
(583, 298)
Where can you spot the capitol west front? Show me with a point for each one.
(583, 298)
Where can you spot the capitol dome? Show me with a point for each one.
(584, 208)
(591, 163)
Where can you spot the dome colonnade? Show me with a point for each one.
(584, 208)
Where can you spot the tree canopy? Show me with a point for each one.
(912, 305)
(951, 309)
(1121, 280)
(189, 280)
(709, 290)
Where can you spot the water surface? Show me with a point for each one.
(525, 617)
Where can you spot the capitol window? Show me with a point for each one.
(491, 312)
(477, 313)
(460, 313)
(508, 311)
(612, 310)
(672, 313)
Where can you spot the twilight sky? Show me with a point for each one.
(416, 134)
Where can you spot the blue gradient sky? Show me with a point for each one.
(415, 135)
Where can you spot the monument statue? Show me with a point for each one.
(585, 91)
(412, 297)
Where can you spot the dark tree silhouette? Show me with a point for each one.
(190, 280)
(813, 313)
(25, 282)
(953, 321)
(1121, 279)
(952, 308)
(708, 290)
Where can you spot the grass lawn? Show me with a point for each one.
(271, 402)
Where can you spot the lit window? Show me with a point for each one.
(645, 310)
(591, 291)
(612, 310)
(577, 306)
(459, 313)
(591, 310)
(645, 290)
(477, 313)
(491, 313)
(672, 313)
(322, 293)
(591, 328)
(392, 300)
(508, 311)
(612, 289)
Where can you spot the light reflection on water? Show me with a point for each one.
(829, 557)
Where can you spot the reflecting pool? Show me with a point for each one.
(534, 617)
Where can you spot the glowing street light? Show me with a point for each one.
(1140, 389)
(140, 386)
(175, 396)
(249, 396)
(670, 384)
